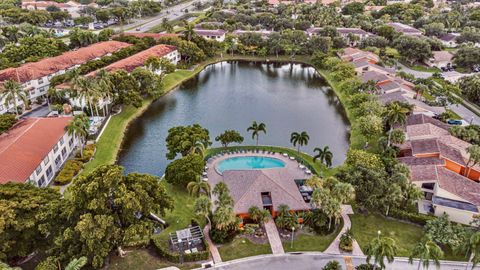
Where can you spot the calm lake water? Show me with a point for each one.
(230, 95)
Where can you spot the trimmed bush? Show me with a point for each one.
(70, 170)
(346, 241)
(164, 252)
(88, 152)
(416, 218)
(332, 265)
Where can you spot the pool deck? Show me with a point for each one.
(291, 166)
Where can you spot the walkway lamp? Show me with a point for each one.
(293, 231)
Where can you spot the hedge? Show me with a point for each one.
(164, 252)
(70, 170)
(416, 218)
(88, 152)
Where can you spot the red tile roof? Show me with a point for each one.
(26, 144)
(137, 60)
(47, 66)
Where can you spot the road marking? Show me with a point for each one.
(348, 262)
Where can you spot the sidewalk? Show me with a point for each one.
(274, 237)
(334, 246)
(213, 249)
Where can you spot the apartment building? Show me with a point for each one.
(35, 77)
(34, 150)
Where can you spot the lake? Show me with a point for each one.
(230, 95)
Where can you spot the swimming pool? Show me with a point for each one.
(249, 163)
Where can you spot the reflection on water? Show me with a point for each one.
(230, 95)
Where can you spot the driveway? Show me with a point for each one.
(41, 111)
(316, 260)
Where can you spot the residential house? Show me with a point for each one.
(354, 54)
(405, 29)
(439, 59)
(72, 7)
(437, 162)
(217, 34)
(346, 33)
(35, 77)
(449, 40)
(34, 150)
(263, 33)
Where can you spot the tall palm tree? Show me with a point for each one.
(381, 248)
(426, 251)
(104, 86)
(256, 128)
(78, 126)
(87, 90)
(202, 207)
(325, 155)
(189, 31)
(13, 91)
(299, 139)
(471, 249)
(198, 148)
(197, 186)
(77, 264)
(395, 114)
(224, 217)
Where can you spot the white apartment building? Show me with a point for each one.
(35, 77)
(35, 149)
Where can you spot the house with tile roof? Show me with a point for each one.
(35, 76)
(346, 33)
(439, 59)
(438, 165)
(405, 29)
(449, 40)
(34, 150)
(216, 34)
(354, 54)
(72, 7)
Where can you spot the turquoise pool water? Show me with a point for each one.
(249, 163)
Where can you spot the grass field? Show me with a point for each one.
(241, 247)
(145, 259)
(312, 241)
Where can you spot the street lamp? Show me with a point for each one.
(180, 247)
(293, 231)
(379, 233)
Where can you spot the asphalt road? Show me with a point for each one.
(310, 261)
(144, 25)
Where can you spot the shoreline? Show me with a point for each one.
(111, 142)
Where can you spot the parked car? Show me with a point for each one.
(455, 122)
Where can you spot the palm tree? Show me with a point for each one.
(258, 215)
(256, 129)
(425, 251)
(471, 249)
(77, 264)
(299, 139)
(197, 186)
(189, 32)
(202, 207)
(78, 126)
(86, 89)
(381, 248)
(325, 155)
(12, 91)
(395, 114)
(198, 148)
(224, 217)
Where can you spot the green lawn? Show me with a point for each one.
(422, 68)
(145, 259)
(241, 247)
(365, 228)
(311, 241)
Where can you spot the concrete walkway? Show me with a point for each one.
(213, 249)
(274, 237)
(334, 246)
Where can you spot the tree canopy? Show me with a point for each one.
(181, 139)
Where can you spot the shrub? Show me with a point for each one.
(346, 241)
(416, 218)
(70, 170)
(88, 152)
(367, 267)
(164, 252)
(332, 265)
(6, 122)
(222, 236)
